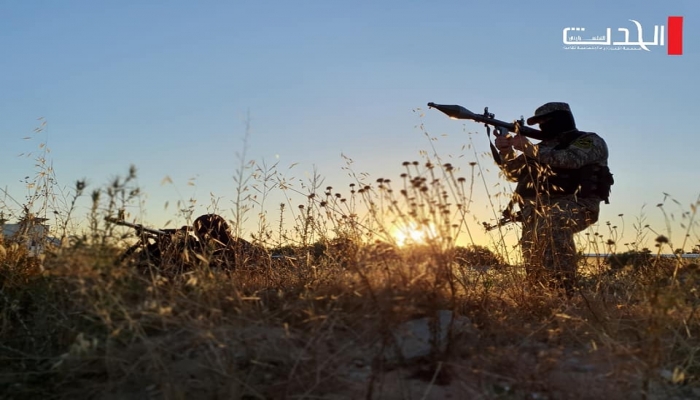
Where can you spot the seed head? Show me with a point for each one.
(661, 239)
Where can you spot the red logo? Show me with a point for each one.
(675, 36)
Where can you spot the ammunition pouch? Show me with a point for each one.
(596, 180)
(588, 181)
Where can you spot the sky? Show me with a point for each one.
(174, 88)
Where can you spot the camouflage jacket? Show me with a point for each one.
(553, 155)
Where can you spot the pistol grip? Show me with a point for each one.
(501, 131)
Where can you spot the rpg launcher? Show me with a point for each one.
(502, 127)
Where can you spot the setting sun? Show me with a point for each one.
(413, 233)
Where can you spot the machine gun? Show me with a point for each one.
(145, 251)
(487, 118)
(141, 230)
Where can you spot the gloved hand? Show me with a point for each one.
(520, 142)
(503, 143)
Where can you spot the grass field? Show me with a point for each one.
(335, 314)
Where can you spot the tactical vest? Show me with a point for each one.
(587, 181)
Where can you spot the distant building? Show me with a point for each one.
(33, 233)
(684, 255)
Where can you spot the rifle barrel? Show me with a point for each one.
(138, 227)
(459, 112)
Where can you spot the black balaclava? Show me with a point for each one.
(557, 123)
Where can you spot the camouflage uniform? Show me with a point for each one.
(222, 249)
(551, 219)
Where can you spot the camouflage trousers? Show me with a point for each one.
(547, 243)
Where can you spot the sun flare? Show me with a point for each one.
(413, 233)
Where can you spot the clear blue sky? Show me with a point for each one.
(167, 85)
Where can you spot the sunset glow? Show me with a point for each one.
(413, 233)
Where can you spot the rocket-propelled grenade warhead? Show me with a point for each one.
(459, 112)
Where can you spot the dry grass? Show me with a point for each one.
(321, 323)
(82, 328)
